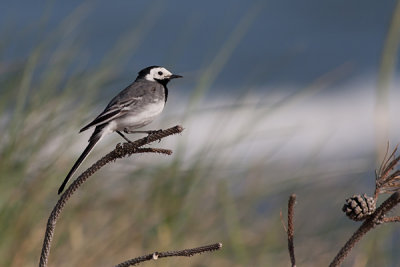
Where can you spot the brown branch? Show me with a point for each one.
(120, 151)
(153, 150)
(373, 220)
(157, 255)
(290, 229)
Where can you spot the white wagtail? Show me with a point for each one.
(134, 107)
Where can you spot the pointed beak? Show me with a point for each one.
(174, 76)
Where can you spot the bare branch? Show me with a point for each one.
(157, 255)
(120, 151)
(373, 220)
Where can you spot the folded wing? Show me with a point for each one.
(113, 111)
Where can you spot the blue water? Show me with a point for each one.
(290, 42)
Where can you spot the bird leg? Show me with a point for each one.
(149, 133)
(126, 130)
(123, 136)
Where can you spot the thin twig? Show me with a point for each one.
(373, 220)
(290, 229)
(157, 255)
(120, 151)
(391, 219)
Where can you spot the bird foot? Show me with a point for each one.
(154, 132)
(150, 133)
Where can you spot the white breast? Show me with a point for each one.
(137, 119)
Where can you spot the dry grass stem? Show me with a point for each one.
(184, 253)
(283, 221)
(373, 220)
(120, 151)
(290, 229)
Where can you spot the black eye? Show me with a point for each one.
(160, 73)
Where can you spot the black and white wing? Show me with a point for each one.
(126, 101)
(113, 111)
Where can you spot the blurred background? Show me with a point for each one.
(278, 97)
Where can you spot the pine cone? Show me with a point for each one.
(359, 207)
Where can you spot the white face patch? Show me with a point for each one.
(158, 73)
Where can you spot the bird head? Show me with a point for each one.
(157, 74)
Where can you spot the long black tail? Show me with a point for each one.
(92, 142)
